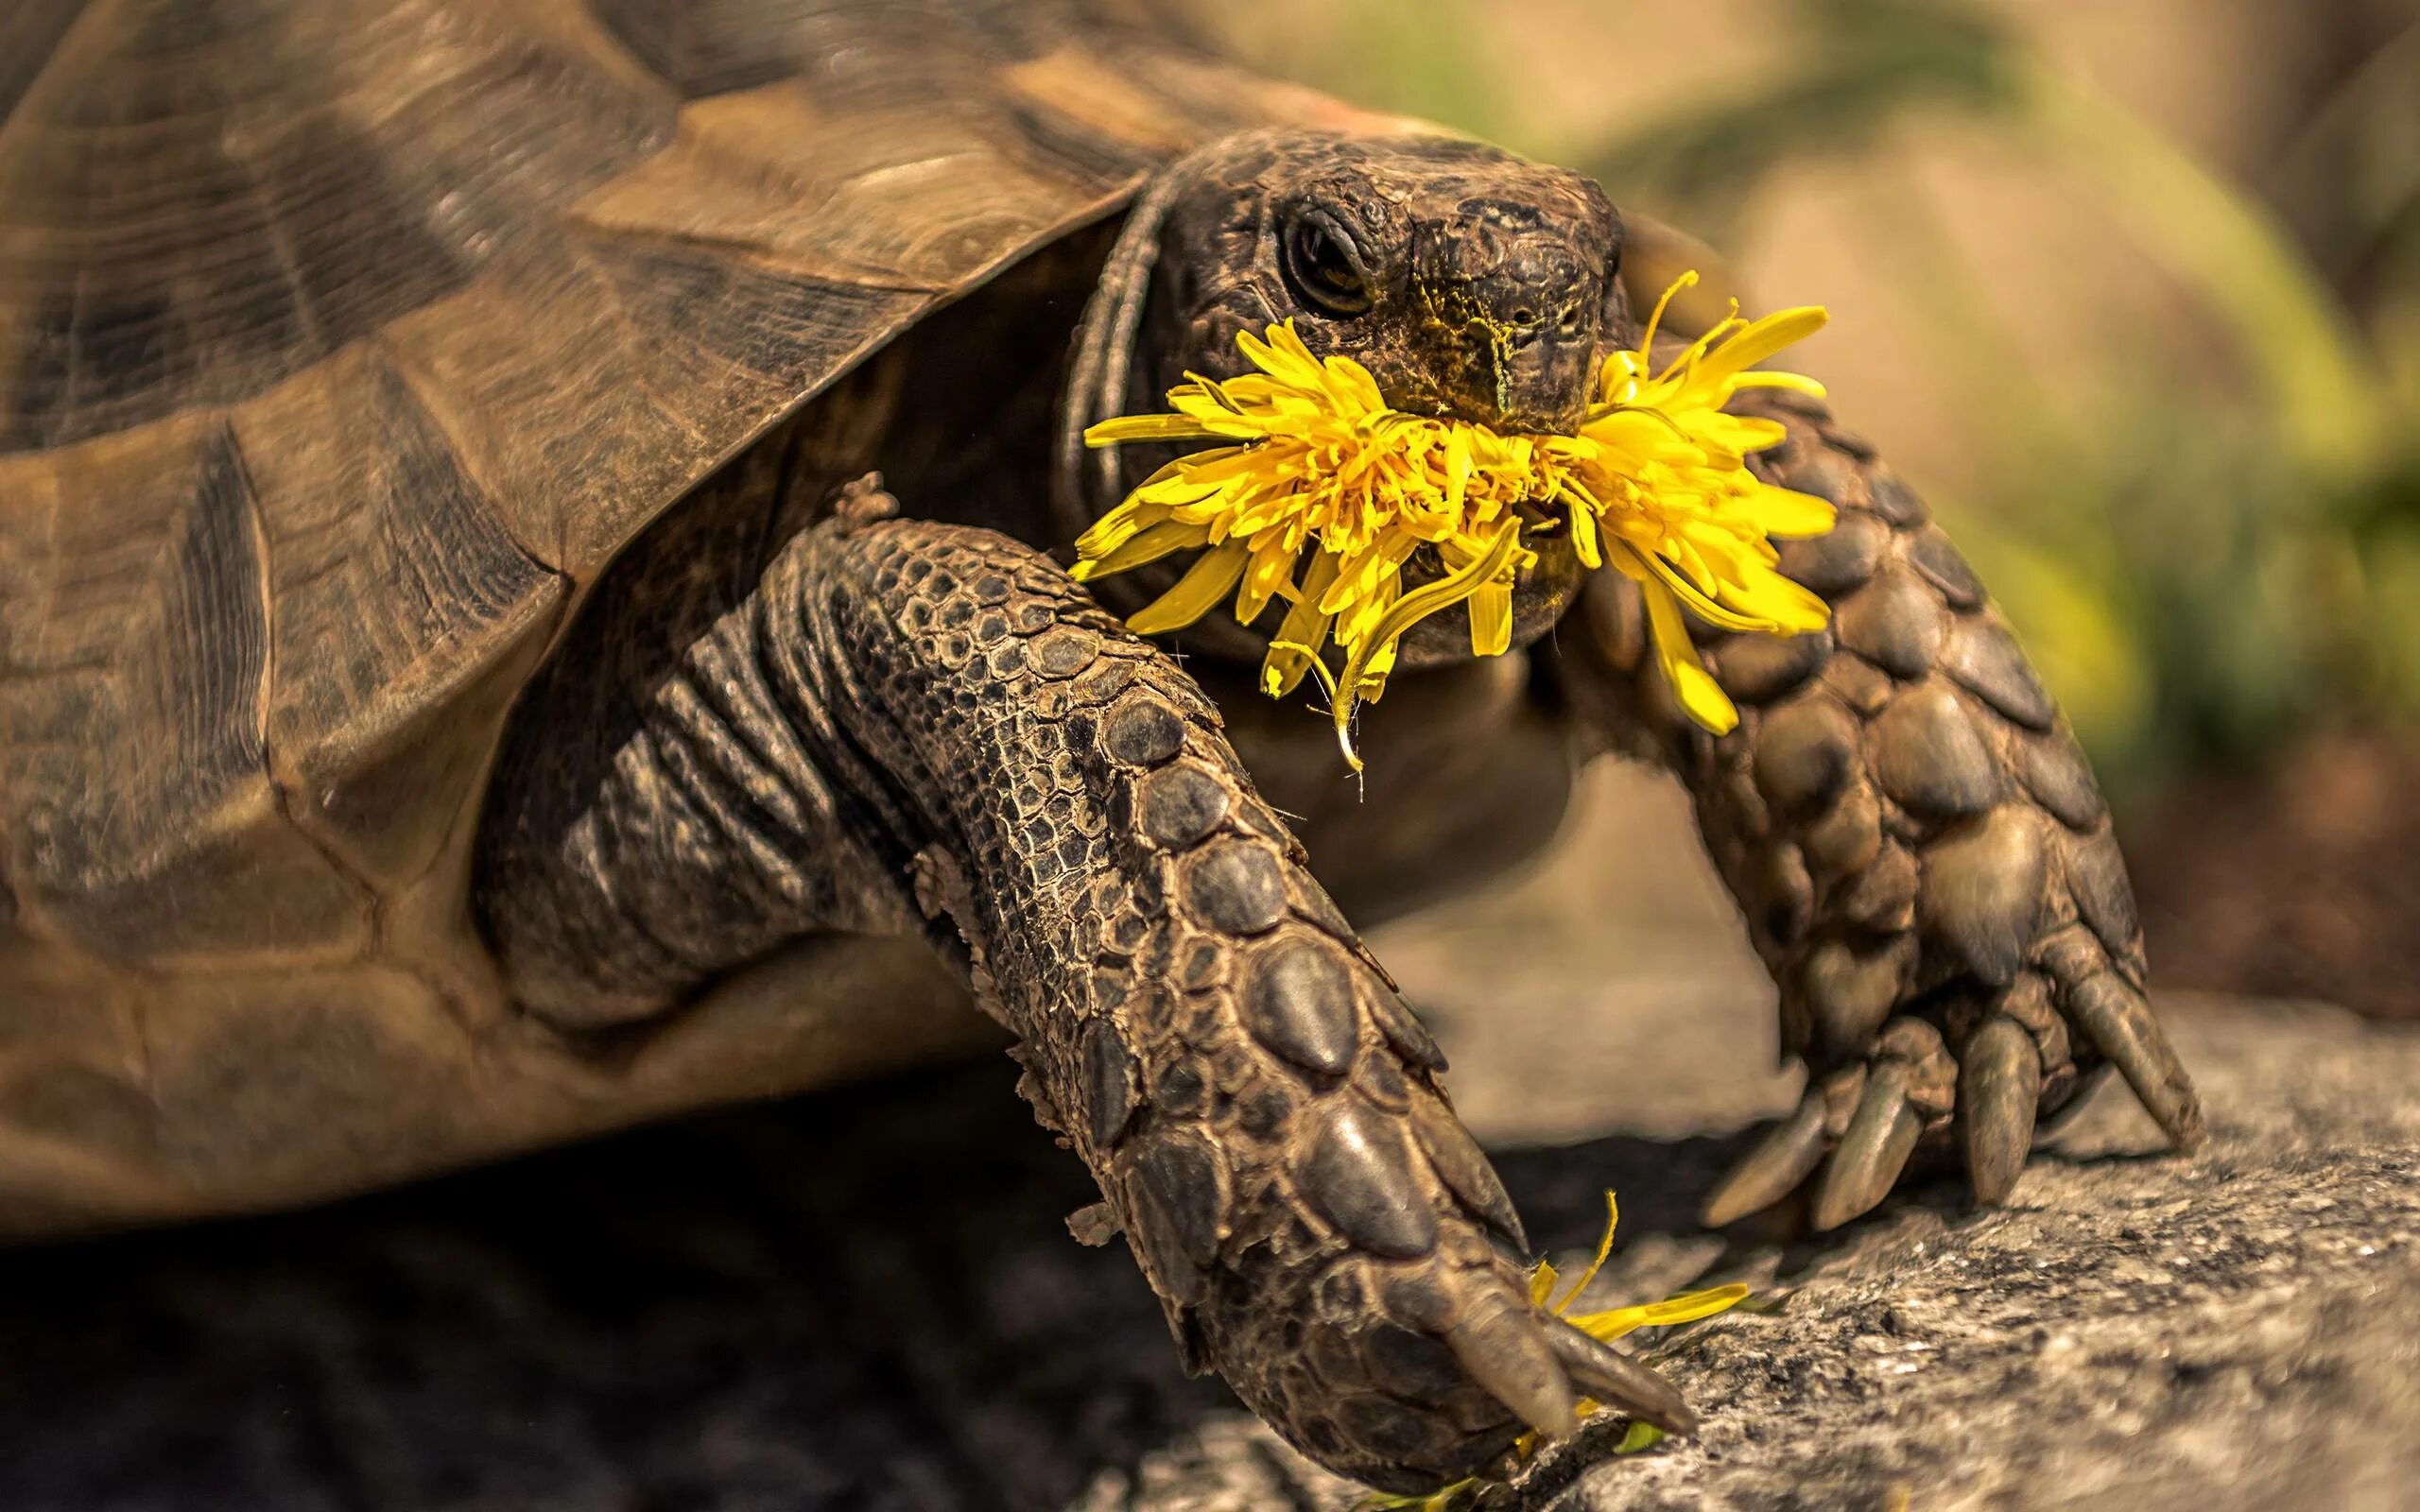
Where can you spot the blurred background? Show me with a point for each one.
(2130, 290)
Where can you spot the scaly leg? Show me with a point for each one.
(942, 708)
(1921, 851)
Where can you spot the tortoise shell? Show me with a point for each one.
(342, 343)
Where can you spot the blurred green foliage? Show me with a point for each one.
(2207, 563)
(2207, 559)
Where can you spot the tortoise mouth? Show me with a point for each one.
(1555, 409)
(1541, 592)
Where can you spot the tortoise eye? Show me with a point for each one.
(1323, 268)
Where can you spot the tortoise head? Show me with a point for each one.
(1472, 284)
(1469, 281)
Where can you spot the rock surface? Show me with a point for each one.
(2233, 1330)
(2238, 1329)
(872, 1301)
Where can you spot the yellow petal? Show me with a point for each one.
(1282, 356)
(1306, 626)
(1744, 435)
(1491, 618)
(1686, 1308)
(1114, 529)
(1203, 584)
(1689, 1306)
(1678, 587)
(1125, 428)
(1604, 1248)
(1583, 537)
(1761, 339)
(1653, 485)
(1406, 612)
(1542, 1283)
(1773, 603)
(1700, 698)
(1788, 513)
(1795, 382)
(1655, 319)
(1269, 568)
(1146, 545)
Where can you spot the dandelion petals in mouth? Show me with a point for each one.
(1312, 460)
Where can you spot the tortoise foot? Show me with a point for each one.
(1921, 856)
(1860, 1128)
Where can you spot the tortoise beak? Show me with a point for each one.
(1508, 325)
(1514, 378)
(1541, 593)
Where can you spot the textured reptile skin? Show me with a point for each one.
(1194, 1015)
(879, 725)
(1916, 842)
(1489, 282)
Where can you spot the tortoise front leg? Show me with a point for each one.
(1195, 1020)
(1921, 851)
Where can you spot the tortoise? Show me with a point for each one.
(463, 685)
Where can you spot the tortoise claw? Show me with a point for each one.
(1881, 1135)
(2120, 1026)
(1999, 1086)
(1621, 1382)
(1775, 1167)
(1506, 1351)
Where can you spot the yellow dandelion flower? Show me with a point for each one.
(1654, 484)
(1686, 1307)
(1609, 1325)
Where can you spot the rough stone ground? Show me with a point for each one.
(870, 1301)
(2238, 1329)
(2233, 1330)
